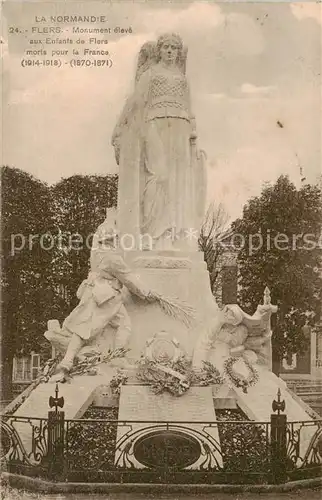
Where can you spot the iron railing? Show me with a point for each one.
(226, 451)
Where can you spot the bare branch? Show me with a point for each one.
(213, 230)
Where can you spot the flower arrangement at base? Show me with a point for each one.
(209, 375)
(237, 379)
(172, 376)
(177, 376)
(117, 381)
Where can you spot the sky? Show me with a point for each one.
(252, 67)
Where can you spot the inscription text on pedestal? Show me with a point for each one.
(168, 448)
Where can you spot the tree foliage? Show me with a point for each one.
(80, 204)
(43, 262)
(26, 272)
(281, 235)
(27, 295)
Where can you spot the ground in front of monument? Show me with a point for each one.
(314, 494)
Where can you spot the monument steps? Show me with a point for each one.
(308, 393)
(309, 390)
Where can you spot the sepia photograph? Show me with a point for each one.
(161, 250)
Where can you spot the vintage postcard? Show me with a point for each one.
(161, 286)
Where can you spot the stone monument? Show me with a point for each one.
(148, 297)
(162, 174)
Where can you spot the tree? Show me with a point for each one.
(80, 204)
(212, 232)
(27, 295)
(280, 246)
(43, 259)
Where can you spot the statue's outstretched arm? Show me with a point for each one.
(114, 265)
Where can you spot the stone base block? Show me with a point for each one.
(190, 439)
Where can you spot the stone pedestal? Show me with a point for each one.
(168, 429)
(179, 275)
(183, 276)
(173, 274)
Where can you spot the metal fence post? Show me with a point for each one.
(56, 421)
(278, 441)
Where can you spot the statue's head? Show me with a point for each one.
(108, 241)
(169, 48)
(106, 235)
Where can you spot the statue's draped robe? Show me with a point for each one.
(101, 301)
(161, 180)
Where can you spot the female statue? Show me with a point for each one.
(162, 176)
